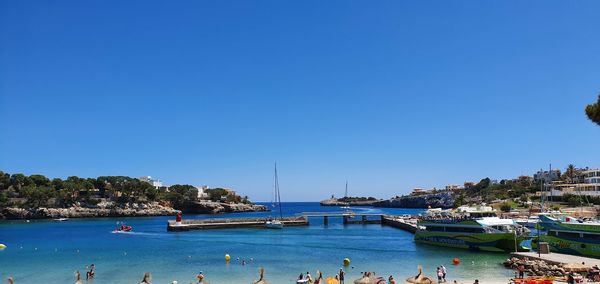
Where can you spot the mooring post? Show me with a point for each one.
(345, 219)
(364, 219)
(325, 220)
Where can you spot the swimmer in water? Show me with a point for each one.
(147, 278)
(200, 277)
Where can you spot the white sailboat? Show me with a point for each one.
(273, 223)
(346, 206)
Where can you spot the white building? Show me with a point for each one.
(591, 176)
(154, 182)
(202, 191)
(590, 185)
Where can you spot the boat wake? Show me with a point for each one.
(133, 233)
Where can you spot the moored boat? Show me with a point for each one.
(529, 222)
(473, 228)
(569, 235)
(275, 223)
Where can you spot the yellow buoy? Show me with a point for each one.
(346, 261)
(227, 257)
(2, 246)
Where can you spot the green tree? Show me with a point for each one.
(3, 199)
(570, 172)
(18, 181)
(37, 196)
(484, 183)
(4, 180)
(39, 180)
(57, 183)
(179, 194)
(593, 111)
(505, 207)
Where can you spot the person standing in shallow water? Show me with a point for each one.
(341, 275)
(78, 277)
(444, 271)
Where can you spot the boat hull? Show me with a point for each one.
(574, 246)
(274, 225)
(498, 242)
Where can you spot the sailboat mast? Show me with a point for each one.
(550, 189)
(277, 194)
(346, 192)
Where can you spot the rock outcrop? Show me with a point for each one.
(337, 202)
(210, 207)
(107, 209)
(110, 209)
(541, 268)
(435, 200)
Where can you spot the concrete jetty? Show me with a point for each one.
(557, 258)
(227, 223)
(405, 223)
(348, 217)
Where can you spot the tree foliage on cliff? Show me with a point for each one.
(179, 194)
(224, 195)
(486, 191)
(593, 111)
(38, 191)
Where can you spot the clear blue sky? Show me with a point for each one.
(388, 95)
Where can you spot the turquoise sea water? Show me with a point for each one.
(50, 252)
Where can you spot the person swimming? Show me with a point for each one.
(200, 277)
(147, 278)
(90, 274)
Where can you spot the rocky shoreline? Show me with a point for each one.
(109, 209)
(542, 268)
(435, 200)
(336, 202)
(210, 207)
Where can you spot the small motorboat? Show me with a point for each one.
(61, 219)
(123, 228)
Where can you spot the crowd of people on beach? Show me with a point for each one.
(367, 277)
